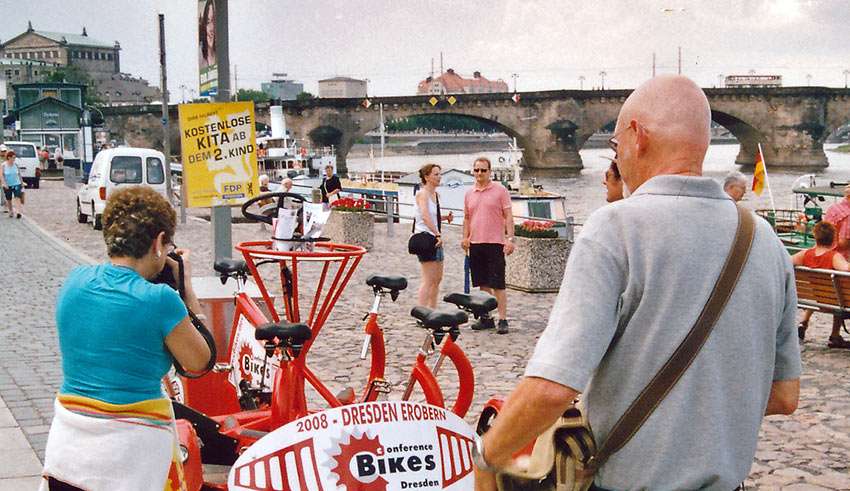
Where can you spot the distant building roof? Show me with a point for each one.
(342, 79)
(453, 83)
(74, 39)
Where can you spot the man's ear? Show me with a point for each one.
(641, 137)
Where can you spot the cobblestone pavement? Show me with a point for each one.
(808, 450)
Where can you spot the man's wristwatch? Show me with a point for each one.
(478, 456)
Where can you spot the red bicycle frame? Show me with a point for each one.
(288, 400)
(427, 378)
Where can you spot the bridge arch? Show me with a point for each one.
(748, 136)
(344, 132)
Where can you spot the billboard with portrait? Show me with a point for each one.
(207, 59)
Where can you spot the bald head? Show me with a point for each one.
(663, 128)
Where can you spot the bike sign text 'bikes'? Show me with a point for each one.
(370, 446)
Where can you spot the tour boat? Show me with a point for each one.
(280, 156)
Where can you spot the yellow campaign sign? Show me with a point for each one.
(219, 153)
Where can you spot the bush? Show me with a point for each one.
(351, 204)
(536, 230)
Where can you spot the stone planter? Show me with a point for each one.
(350, 227)
(537, 265)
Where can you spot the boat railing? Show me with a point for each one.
(385, 203)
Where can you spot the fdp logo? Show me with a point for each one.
(362, 462)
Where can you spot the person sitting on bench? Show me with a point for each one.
(823, 255)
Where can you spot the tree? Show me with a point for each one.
(304, 96)
(445, 123)
(75, 75)
(252, 95)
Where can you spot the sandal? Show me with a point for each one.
(838, 342)
(801, 330)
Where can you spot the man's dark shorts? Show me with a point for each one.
(487, 265)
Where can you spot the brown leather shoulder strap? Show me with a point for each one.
(686, 352)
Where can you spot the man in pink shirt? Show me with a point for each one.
(488, 234)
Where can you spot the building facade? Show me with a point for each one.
(282, 89)
(18, 71)
(452, 83)
(100, 60)
(337, 87)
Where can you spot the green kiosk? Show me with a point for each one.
(49, 116)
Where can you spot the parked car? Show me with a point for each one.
(27, 160)
(115, 168)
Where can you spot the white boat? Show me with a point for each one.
(280, 156)
(529, 200)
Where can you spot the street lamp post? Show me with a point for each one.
(808, 79)
(514, 76)
(581, 82)
(602, 77)
(846, 72)
(719, 80)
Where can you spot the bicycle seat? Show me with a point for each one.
(230, 267)
(288, 333)
(439, 319)
(392, 283)
(480, 304)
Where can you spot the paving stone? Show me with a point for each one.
(832, 480)
(20, 483)
(12, 439)
(803, 487)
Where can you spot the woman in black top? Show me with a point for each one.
(330, 185)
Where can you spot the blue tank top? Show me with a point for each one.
(11, 174)
(112, 326)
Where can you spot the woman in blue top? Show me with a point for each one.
(113, 427)
(13, 187)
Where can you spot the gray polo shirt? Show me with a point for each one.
(638, 276)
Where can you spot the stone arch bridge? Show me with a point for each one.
(791, 123)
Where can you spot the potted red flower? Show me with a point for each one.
(350, 222)
(539, 258)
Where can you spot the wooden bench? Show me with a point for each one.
(823, 290)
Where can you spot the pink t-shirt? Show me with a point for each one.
(484, 208)
(838, 215)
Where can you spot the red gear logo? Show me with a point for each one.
(246, 356)
(347, 452)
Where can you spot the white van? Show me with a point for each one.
(114, 168)
(27, 160)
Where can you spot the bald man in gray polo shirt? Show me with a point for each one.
(637, 278)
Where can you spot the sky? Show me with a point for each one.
(548, 44)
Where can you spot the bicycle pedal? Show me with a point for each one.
(381, 386)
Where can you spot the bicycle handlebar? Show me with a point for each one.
(280, 204)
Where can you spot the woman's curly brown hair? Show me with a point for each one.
(133, 217)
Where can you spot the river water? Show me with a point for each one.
(584, 192)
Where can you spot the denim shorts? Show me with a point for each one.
(16, 191)
(437, 256)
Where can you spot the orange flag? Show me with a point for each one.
(759, 174)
